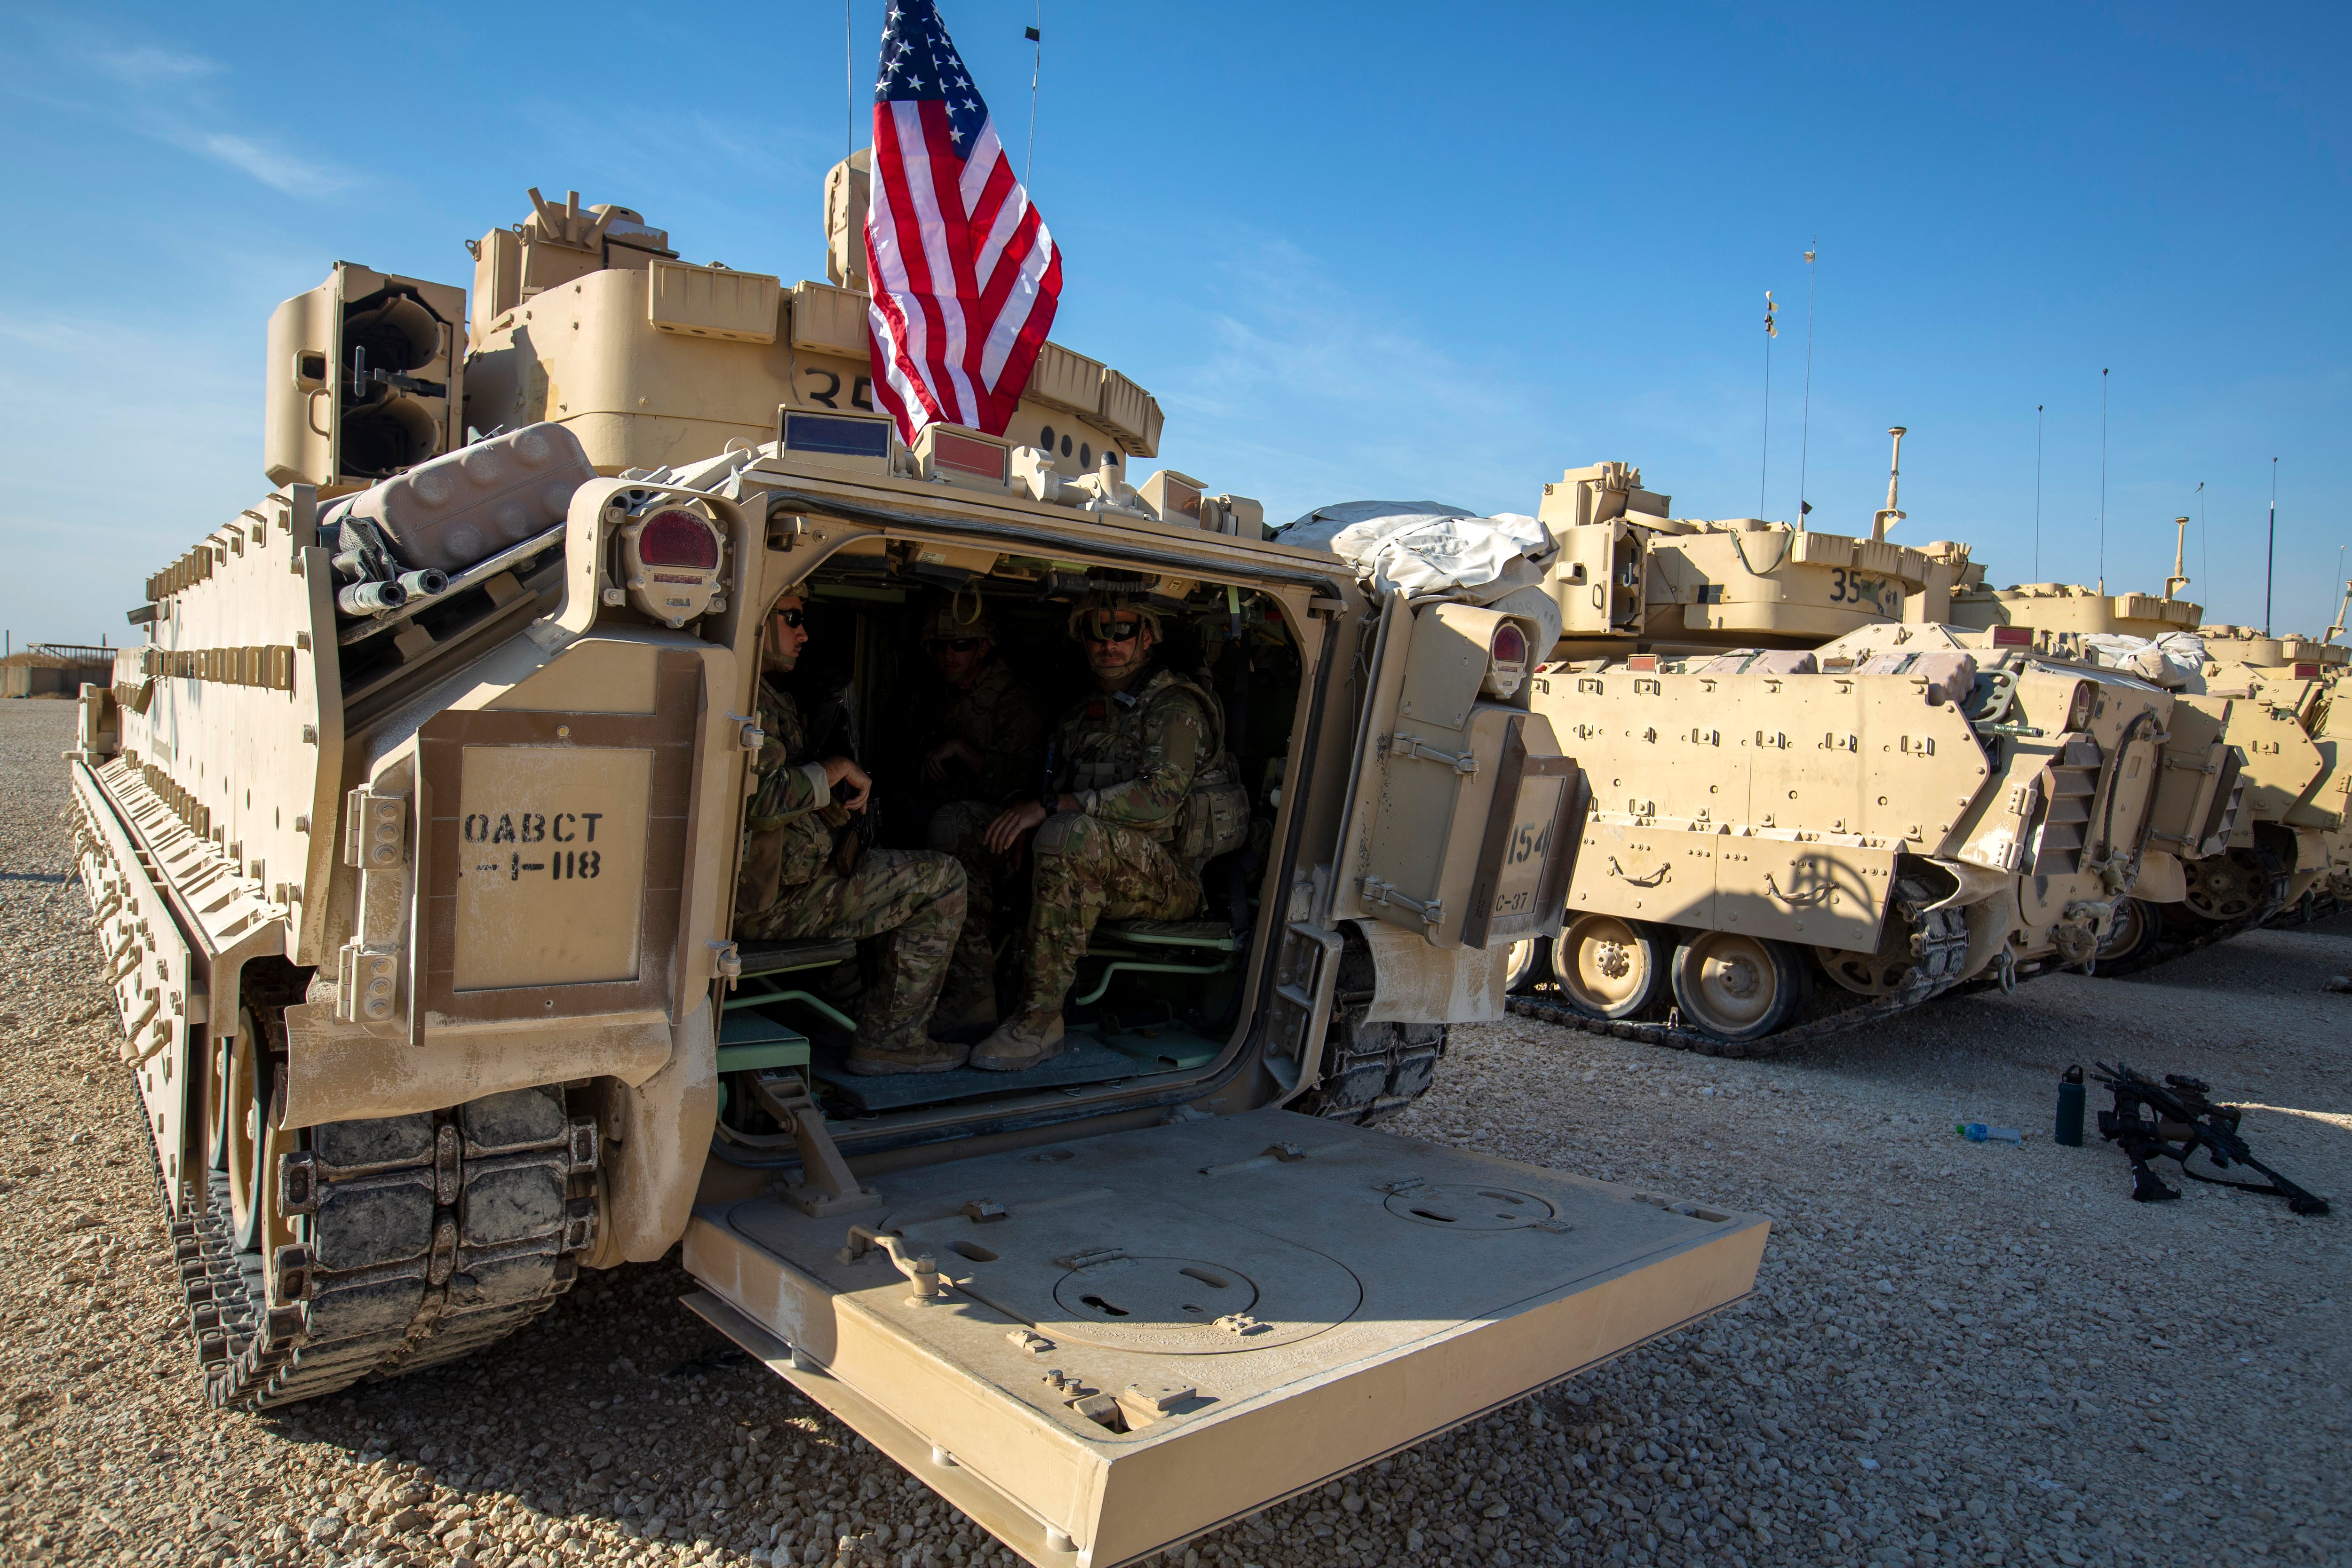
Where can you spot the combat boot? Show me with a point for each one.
(923, 1055)
(1023, 1041)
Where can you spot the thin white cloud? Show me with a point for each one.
(173, 96)
(273, 166)
(146, 65)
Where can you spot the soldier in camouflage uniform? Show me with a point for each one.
(1125, 763)
(985, 739)
(792, 885)
(986, 742)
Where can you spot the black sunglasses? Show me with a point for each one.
(958, 645)
(792, 618)
(1117, 631)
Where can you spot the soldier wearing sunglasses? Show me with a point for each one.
(1101, 836)
(790, 886)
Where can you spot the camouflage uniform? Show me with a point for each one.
(1130, 759)
(999, 718)
(789, 888)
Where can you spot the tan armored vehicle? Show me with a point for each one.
(1632, 579)
(1854, 790)
(2267, 697)
(2297, 780)
(413, 835)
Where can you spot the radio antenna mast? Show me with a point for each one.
(1804, 440)
(1036, 36)
(1771, 331)
(2037, 490)
(2103, 482)
(2270, 552)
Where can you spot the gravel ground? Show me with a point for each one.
(1955, 1353)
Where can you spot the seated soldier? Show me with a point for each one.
(984, 736)
(1125, 761)
(793, 885)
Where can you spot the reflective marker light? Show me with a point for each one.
(677, 539)
(981, 459)
(836, 435)
(1506, 660)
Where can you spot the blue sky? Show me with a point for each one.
(1361, 250)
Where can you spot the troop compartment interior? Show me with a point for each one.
(1160, 1013)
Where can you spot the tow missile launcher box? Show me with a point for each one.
(1630, 578)
(414, 827)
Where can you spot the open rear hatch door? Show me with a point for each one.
(1140, 1336)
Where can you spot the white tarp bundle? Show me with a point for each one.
(1426, 550)
(2175, 661)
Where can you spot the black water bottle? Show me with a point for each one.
(2070, 1108)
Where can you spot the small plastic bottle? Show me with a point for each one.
(2070, 1108)
(1977, 1132)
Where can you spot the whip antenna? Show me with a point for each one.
(1036, 37)
(1771, 331)
(2037, 490)
(2270, 552)
(2103, 482)
(1805, 438)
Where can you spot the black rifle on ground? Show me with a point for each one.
(2172, 1121)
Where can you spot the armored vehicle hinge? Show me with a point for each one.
(375, 829)
(365, 982)
(1405, 745)
(752, 736)
(1379, 892)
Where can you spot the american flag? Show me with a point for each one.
(965, 277)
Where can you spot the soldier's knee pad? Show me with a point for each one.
(946, 830)
(1064, 833)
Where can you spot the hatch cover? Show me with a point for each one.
(1188, 1306)
(1457, 1205)
(1130, 1273)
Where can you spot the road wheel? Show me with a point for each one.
(2232, 887)
(1527, 965)
(237, 1128)
(2135, 931)
(1607, 967)
(1736, 987)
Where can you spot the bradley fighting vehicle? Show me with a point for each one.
(2267, 699)
(2298, 776)
(412, 834)
(1808, 771)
